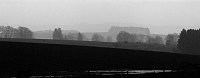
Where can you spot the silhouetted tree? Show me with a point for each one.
(182, 44)
(189, 41)
(97, 37)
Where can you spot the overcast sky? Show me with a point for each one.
(161, 16)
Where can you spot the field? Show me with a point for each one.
(134, 46)
(21, 55)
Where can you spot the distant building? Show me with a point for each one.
(114, 31)
(131, 30)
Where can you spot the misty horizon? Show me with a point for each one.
(160, 16)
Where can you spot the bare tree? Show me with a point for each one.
(24, 32)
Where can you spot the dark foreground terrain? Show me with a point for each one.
(21, 57)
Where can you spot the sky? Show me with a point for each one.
(160, 16)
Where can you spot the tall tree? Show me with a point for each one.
(60, 35)
(182, 46)
(57, 34)
(80, 37)
(189, 41)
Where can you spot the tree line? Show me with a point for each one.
(189, 41)
(57, 35)
(20, 32)
(134, 38)
(123, 36)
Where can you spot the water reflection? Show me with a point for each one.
(101, 72)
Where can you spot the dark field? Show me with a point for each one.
(135, 46)
(22, 57)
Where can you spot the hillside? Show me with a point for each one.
(21, 57)
(136, 46)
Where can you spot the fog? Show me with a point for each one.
(161, 16)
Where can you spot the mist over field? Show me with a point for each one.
(160, 16)
(99, 38)
(143, 22)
